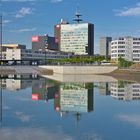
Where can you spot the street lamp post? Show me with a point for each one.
(0, 62)
(1, 37)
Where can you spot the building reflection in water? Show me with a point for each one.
(17, 82)
(74, 97)
(14, 83)
(44, 89)
(104, 88)
(69, 98)
(121, 90)
(124, 90)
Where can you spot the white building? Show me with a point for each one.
(127, 48)
(28, 54)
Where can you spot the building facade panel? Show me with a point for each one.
(127, 48)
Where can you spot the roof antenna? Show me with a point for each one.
(77, 16)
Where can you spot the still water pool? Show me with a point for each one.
(37, 108)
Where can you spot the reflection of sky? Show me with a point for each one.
(27, 119)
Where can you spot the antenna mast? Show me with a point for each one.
(77, 16)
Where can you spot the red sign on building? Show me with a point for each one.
(58, 26)
(56, 40)
(35, 38)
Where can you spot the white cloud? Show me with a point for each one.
(133, 11)
(6, 21)
(18, 0)
(53, 1)
(56, 1)
(23, 12)
(24, 30)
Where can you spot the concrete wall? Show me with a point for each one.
(81, 70)
(80, 78)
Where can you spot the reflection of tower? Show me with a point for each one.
(78, 116)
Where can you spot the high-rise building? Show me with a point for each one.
(105, 46)
(127, 48)
(77, 38)
(43, 43)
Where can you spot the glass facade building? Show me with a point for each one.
(77, 38)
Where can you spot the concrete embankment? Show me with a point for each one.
(80, 70)
(80, 78)
(126, 74)
(6, 70)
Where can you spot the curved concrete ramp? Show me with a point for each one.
(80, 78)
(81, 70)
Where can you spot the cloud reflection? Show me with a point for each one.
(23, 117)
(31, 134)
(133, 119)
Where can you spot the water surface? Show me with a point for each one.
(37, 108)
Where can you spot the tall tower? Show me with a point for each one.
(77, 38)
(77, 17)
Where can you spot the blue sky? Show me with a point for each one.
(25, 18)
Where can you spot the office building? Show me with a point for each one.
(127, 48)
(43, 43)
(77, 38)
(32, 55)
(105, 46)
(6, 47)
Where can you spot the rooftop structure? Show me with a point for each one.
(13, 46)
